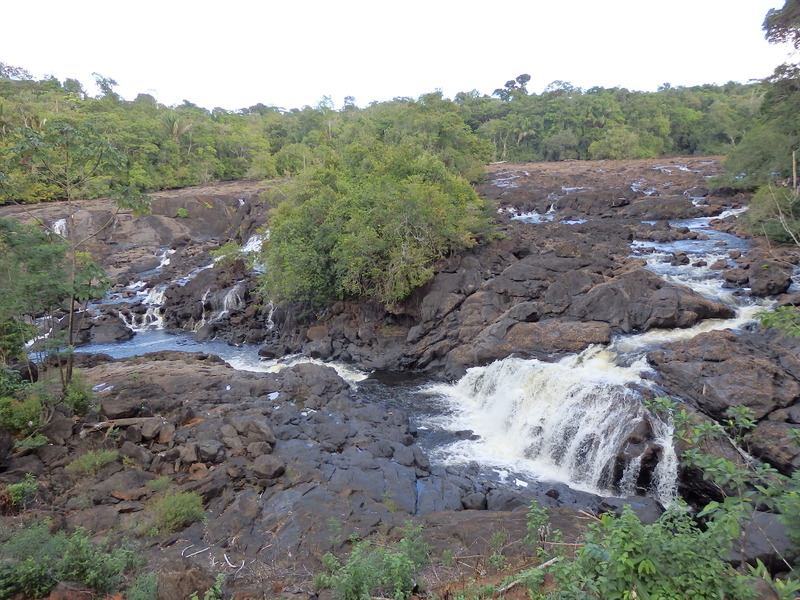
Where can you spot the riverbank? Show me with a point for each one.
(289, 464)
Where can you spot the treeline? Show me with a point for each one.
(175, 146)
(565, 122)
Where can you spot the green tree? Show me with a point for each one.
(72, 158)
(380, 204)
(33, 282)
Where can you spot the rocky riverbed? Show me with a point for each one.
(290, 464)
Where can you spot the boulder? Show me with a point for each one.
(268, 466)
(181, 578)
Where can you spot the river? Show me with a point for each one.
(520, 420)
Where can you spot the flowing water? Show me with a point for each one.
(564, 421)
(569, 420)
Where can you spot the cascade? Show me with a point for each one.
(581, 420)
(59, 227)
(153, 317)
(567, 421)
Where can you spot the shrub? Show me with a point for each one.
(78, 395)
(177, 510)
(24, 491)
(35, 560)
(90, 462)
(160, 484)
(376, 570)
(144, 587)
(21, 415)
(182, 213)
(31, 442)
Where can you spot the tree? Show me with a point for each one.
(782, 25)
(33, 281)
(11, 72)
(381, 202)
(72, 158)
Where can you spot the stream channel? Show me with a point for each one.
(518, 420)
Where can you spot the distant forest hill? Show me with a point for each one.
(175, 146)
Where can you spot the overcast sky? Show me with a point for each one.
(236, 53)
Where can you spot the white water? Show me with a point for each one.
(59, 227)
(153, 317)
(569, 420)
(563, 421)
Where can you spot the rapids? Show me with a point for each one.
(567, 421)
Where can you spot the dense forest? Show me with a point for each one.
(175, 146)
(419, 155)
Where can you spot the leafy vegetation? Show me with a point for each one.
(90, 462)
(375, 568)
(384, 200)
(622, 558)
(164, 147)
(35, 560)
(176, 510)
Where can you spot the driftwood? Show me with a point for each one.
(516, 582)
(90, 428)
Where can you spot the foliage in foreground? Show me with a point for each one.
(376, 569)
(36, 560)
(622, 558)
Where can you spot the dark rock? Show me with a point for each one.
(210, 451)
(141, 456)
(257, 430)
(97, 519)
(474, 501)
(768, 279)
(763, 538)
(647, 509)
(59, 430)
(504, 500)
(181, 578)
(121, 408)
(6, 446)
(268, 466)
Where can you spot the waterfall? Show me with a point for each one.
(164, 257)
(59, 227)
(567, 421)
(153, 317)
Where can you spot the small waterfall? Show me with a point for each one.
(59, 227)
(164, 256)
(253, 244)
(220, 304)
(567, 421)
(233, 300)
(153, 317)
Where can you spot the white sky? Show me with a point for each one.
(236, 53)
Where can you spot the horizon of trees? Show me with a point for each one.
(176, 146)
